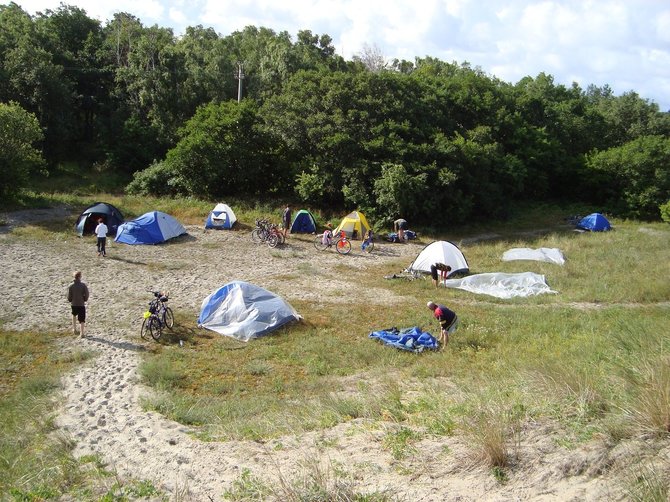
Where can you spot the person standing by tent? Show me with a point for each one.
(447, 318)
(77, 295)
(286, 219)
(101, 232)
(399, 226)
(442, 269)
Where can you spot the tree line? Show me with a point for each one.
(413, 138)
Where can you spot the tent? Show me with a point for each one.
(244, 311)
(221, 217)
(440, 252)
(594, 222)
(88, 219)
(354, 225)
(303, 223)
(150, 228)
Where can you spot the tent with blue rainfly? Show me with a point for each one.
(244, 311)
(221, 217)
(303, 223)
(594, 222)
(151, 228)
(88, 219)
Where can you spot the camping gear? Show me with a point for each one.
(244, 311)
(88, 219)
(303, 223)
(594, 222)
(550, 255)
(411, 339)
(150, 228)
(440, 252)
(393, 236)
(221, 217)
(502, 285)
(354, 225)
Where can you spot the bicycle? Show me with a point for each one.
(342, 243)
(267, 232)
(158, 316)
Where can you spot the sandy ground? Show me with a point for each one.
(101, 408)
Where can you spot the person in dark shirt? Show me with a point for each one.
(447, 318)
(442, 269)
(77, 295)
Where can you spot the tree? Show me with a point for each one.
(636, 178)
(19, 132)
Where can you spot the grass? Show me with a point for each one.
(593, 359)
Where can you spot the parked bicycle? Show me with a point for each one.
(324, 241)
(158, 316)
(267, 232)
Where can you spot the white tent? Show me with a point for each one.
(502, 285)
(221, 217)
(244, 311)
(440, 252)
(550, 255)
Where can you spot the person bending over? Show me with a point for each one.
(447, 318)
(442, 269)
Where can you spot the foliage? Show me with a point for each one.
(320, 128)
(19, 132)
(638, 175)
(665, 212)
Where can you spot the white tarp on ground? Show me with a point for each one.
(550, 255)
(502, 285)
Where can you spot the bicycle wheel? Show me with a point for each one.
(343, 247)
(256, 236)
(273, 240)
(145, 333)
(168, 317)
(319, 245)
(155, 327)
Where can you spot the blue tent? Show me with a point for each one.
(303, 223)
(244, 311)
(221, 217)
(150, 228)
(88, 219)
(594, 222)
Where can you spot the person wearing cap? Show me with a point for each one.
(447, 318)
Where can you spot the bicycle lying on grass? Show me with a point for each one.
(342, 243)
(157, 317)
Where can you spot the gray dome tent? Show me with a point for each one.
(88, 219)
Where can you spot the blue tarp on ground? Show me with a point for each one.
(411, 339)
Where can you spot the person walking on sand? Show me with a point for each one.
(77, 295)
(286, 219)
(101, 232)
(448, 321)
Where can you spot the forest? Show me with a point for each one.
(261, 114)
